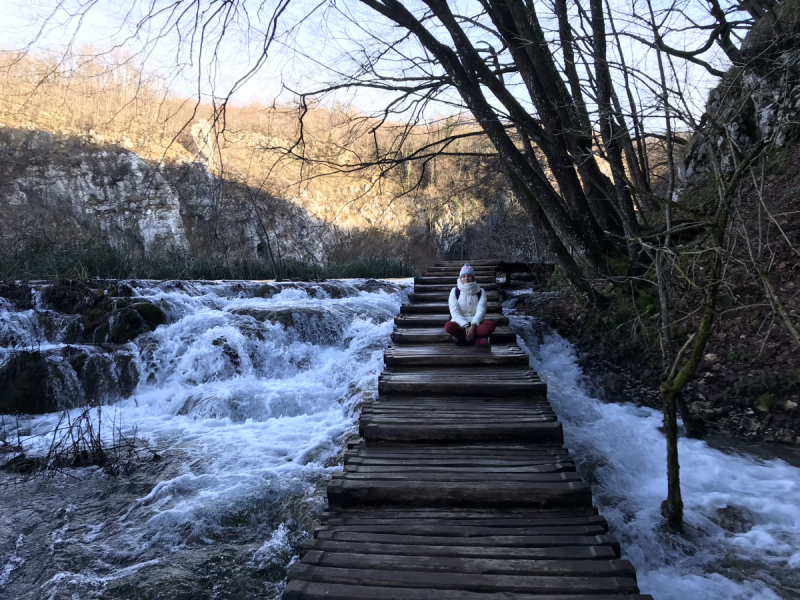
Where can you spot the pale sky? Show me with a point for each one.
(316, 51)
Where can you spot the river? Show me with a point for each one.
(248, 397)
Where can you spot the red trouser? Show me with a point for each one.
(485, 329)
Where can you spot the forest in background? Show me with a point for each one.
(445, 206)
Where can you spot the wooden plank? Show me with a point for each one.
(499, 382)
(444, 296)
(472, 582)
(494, 541)
(346, 492)
(308, 590)
(446, 287)
(422, 320)
(484, 449)
(440, 307)
(498, 521)
(465, 531)
(465, 355)
(437, 335)
(550, 433)
(463, 513)
(465, 550)
(438, 280)
(421, 477)
(487, 566)
(447, 469)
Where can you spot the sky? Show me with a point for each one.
(317, 41)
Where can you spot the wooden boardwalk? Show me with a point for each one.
(460, 488)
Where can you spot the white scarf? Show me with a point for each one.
(470, 289)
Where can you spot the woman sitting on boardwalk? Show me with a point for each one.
(467, 310)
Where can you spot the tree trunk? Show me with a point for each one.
(672, 507)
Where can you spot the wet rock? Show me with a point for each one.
(266, 291)
(229, 351)
(612, 382)
(152, 314)
(24, 382)
(766, 403)
(69, 297)
(115, 322)
(734, 519)
(18, 295)
(372, 286)
(126, 325)
(789, 406)
(285, 318)
(20, 464)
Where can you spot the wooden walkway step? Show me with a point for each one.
(451, 280)
(442, 287)
(441, 307)
(504, 381)
(438, 320)
(437, 335)
(403, 355)
(460, 487)
(444, 296)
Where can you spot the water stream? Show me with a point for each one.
(249, 394)
(742, 511)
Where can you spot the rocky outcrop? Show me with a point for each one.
(68, 189)
(756, 101)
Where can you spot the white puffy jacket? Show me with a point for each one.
(468, 308)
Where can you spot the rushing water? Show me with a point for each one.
(742, 512)
(248, 394)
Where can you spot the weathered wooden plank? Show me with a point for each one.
(436, 335)
(465, 531)
(455, 475)
(463, 513)
(494, 541)
(465, 551)
(465, 355)
(484, 449)
(307, 590)
(438, 320)
(417, 400)
(433, 308)
(447, 469)
(472, 582)
(549, 433)
(437, 279)
(486, 566)
(502, 382)
(498, 521)
(347, 492)
(491, 296)
(357, 463)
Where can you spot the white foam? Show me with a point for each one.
(621, 451)
(252, 413)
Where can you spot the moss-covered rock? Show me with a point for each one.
(24, 383)
(152, 314)
(766, 402)
(19, 295)
(126, 325)
(70, 297)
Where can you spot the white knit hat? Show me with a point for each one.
(466, 269)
